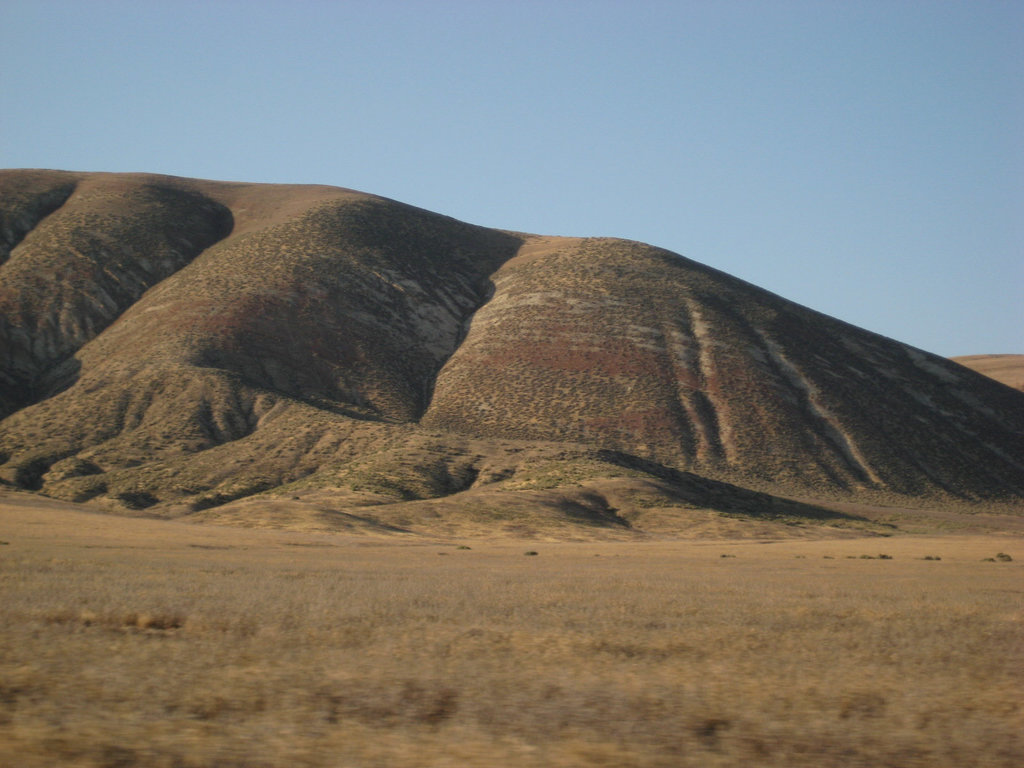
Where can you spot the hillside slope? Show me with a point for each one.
(174, 345)
(630, 346)
(1006, 369)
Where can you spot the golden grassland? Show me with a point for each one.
(129, 642)
(1007, 369)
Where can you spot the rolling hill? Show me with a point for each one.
(321, 357)
(1007, 369)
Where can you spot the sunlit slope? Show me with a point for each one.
(625, 345)
(179, 344)
(1006, 369)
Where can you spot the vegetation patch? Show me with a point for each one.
(597, 654)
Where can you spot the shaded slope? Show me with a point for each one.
(320, 296)
(80, 250)
(354, 301)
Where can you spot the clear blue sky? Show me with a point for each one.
(862, 158)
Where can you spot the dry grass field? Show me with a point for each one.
(129, 642)
(1008, 369)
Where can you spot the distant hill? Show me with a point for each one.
(183, 346)
(1007, 369)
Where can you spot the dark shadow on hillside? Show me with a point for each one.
(725, 497)
(26, 213)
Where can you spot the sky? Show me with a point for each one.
(865, 159)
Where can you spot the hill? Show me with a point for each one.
(1006, 369)
(217, 349)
